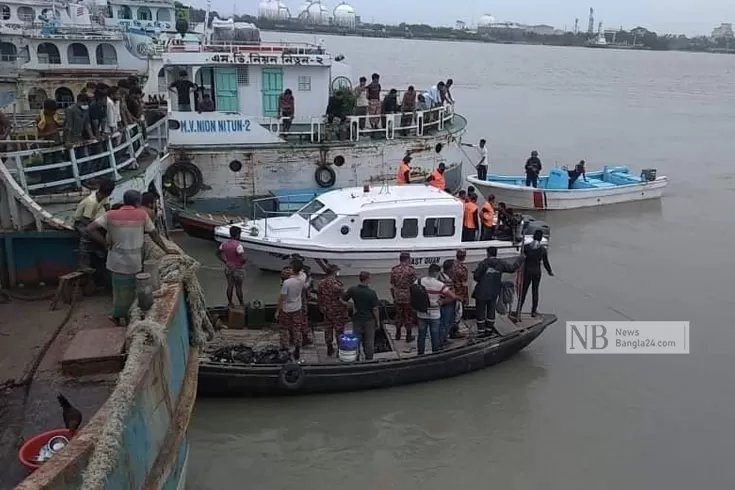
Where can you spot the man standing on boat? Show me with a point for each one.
(232, 254)
(290, 314)
(366, 318)
(401, 278)
(533, 169)
(460, 275)
(184, 89)
(436, 179)
(470, 222)
(329, 297)
(489, 278)
(482, 165)
(487, 216)
(373, 97)
(88, 210)
(404, 171)
(430, 318)
(361, 101)
(536, 254)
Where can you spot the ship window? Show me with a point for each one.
(144, 13)
(78, 54)
(321, 220)
(163, 15)
(381, 229)
(439, 227)
(304, 84)
(26, 14)
(48, 54)
(410, 228)
(64, 97)
(243, 75)
(4, 12)
(124, 12)
(8, 52)
(311, 208)
(106, 54)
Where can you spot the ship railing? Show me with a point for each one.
(39, 166)
(178, 46)
(260, 211)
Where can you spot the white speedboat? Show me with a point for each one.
(365, 229)
(608, 186)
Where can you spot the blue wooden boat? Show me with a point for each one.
(608, 186)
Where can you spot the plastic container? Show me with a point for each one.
(32, 447)
(348, 345)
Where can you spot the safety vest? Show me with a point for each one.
(402, 169)
(487, 215)
(470, 210)
(437, 180)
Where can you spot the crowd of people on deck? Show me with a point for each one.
(112, 238)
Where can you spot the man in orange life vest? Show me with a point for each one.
(487, 216)
(404, 171)
(436, 179)
(470, 223)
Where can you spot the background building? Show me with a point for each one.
(344, 16)
(273, 10)
(724, 31)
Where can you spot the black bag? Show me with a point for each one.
(419, 297)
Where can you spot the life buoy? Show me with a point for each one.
(291, 376)
(183, 179)
(325, 176)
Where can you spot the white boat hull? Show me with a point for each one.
(519, 197)
(277, 256)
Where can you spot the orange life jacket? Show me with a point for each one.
(470, 211)
(401, 176)
(437, 180)
(487, 215)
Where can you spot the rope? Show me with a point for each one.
(142, 334)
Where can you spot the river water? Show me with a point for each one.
(544, 419)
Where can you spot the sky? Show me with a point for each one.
(690, 17)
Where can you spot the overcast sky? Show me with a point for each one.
(673, 16)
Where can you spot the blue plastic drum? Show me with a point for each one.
(348, 346)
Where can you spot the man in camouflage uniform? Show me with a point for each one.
(401, 278)
(460, 277)
(329, 294)
(305, 276)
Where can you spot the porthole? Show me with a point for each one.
(344, 230)
(438, 148)
(235, 165)
(339, 160)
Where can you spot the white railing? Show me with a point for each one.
(178, 46)
(87, 160)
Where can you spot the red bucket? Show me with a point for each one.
(32, 447)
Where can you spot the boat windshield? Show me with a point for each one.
(310, 209)
(323, 219)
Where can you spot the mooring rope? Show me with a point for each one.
(142, 334)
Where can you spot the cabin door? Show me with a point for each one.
(225, 82)
(272, 89)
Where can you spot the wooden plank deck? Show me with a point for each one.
(316, 353)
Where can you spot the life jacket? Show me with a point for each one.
(470, 210)
(487, 215)
(401, 176)
(437, 180)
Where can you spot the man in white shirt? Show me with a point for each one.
(430, 319)
(482, 165)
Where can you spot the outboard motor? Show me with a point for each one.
(648, 174)
(531, 224)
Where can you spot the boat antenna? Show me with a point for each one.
(206, 19)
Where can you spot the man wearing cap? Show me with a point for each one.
(329, 294)
(401, 278)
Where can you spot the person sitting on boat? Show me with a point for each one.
(533, 169)
(401, 278)
(404, 171)
(487, 216)
(207, 104)
(430, 319)
(574, 174)
(436, 178)
(329, 295)
(183, 88)
(289, 313)
(232, 254)
(390, 105)
(470, 221)
(366, 318)
(286, 108)
(489, 277)
(535, 256)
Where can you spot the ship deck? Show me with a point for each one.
(28, 404)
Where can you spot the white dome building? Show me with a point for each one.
(273, 10)
(283, 12)
(344, 15)
(486, 20)
(315, 13)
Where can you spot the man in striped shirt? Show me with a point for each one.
(126, 228)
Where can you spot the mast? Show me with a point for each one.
(206, 19)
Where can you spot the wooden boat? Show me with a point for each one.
(395, 362)
(607, 186)
(366, 229)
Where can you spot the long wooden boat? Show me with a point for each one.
(395, 362)
(608, 186)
